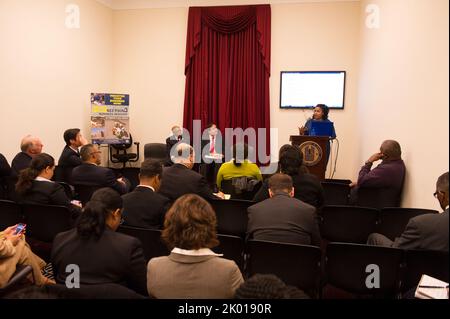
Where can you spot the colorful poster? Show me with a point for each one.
(110, 122)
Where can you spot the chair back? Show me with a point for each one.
(392, 221)
(10, 214)
(335, 193)
(232, 216)
(363, 269)
(232, 247)
(297, 265)
(150, 239)
(349, 224)
(44, 222)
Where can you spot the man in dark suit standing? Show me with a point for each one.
(70, 156)
(144, 207)
(91, 174)
(171, 141)
(179, 179)
(282, 217)
(213, 145)
(29, 146)
(428, 231)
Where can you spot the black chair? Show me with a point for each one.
(22, 271)
(232, 247)
(44, 222)
(150, 239)
(335, 193)
(420, 262)
(84, 192)
(68, 189)
(377, 198)
(352, 267)
(228, 188)
(232, 217)
(132, 174)
(349, 224)
(121, 155)
(10, 214)
(392, 221)
(297, 265)
(156, 151)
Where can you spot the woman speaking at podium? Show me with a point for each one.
(320, 115)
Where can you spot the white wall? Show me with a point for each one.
(47, 71)
(403, 90)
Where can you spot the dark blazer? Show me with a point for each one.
(5, 169)
(68, 160)
(283, 219)
(46, 193)
(20, 161)
(427, 231)
(114, 258)
(179, 180)
(93, 175)
(144, 208)
(307, 188)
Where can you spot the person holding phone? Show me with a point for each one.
(15, 251)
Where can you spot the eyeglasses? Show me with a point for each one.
(121, 221)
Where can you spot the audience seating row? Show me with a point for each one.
(345, 265)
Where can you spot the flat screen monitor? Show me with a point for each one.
(306, 89)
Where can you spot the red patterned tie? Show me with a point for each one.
(212, 149)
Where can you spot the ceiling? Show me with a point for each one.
(148, 4)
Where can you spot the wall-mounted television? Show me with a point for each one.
(306, 89)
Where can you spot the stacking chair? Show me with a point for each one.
(10, 214)
(356, 268)
(349, 224)
(232, 247)
(232, 217)
(297, 265)
(335, 193)
(420, 262)
(392, 221)
(150, 239)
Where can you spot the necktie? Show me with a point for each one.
(212, 147)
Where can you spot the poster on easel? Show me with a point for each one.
(110, 121)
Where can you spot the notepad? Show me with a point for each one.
(424, 290)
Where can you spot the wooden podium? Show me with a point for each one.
(314, 149)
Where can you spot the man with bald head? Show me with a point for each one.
(388, 175)
(29, 146)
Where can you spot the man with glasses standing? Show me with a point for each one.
(91, 174)
(428, 231)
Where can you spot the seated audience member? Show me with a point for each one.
(30, 146)
(144, 207)
(388, 175)
(91, 174)
(239, 166)
(192, 270)
(283, 218)
(428, 231)
(102, 255)
(307, 186)
(35, 186)
(179, 179)
(267, 286)
(5, 169)
(70, 156)
(173, 140)
(5, 172)
(15, 251)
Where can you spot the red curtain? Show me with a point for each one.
(228, 67)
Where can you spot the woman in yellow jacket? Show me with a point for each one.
(239, 166)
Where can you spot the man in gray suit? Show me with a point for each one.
(428, 231)
(283, 218)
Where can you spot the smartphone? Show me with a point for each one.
(20, 229)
